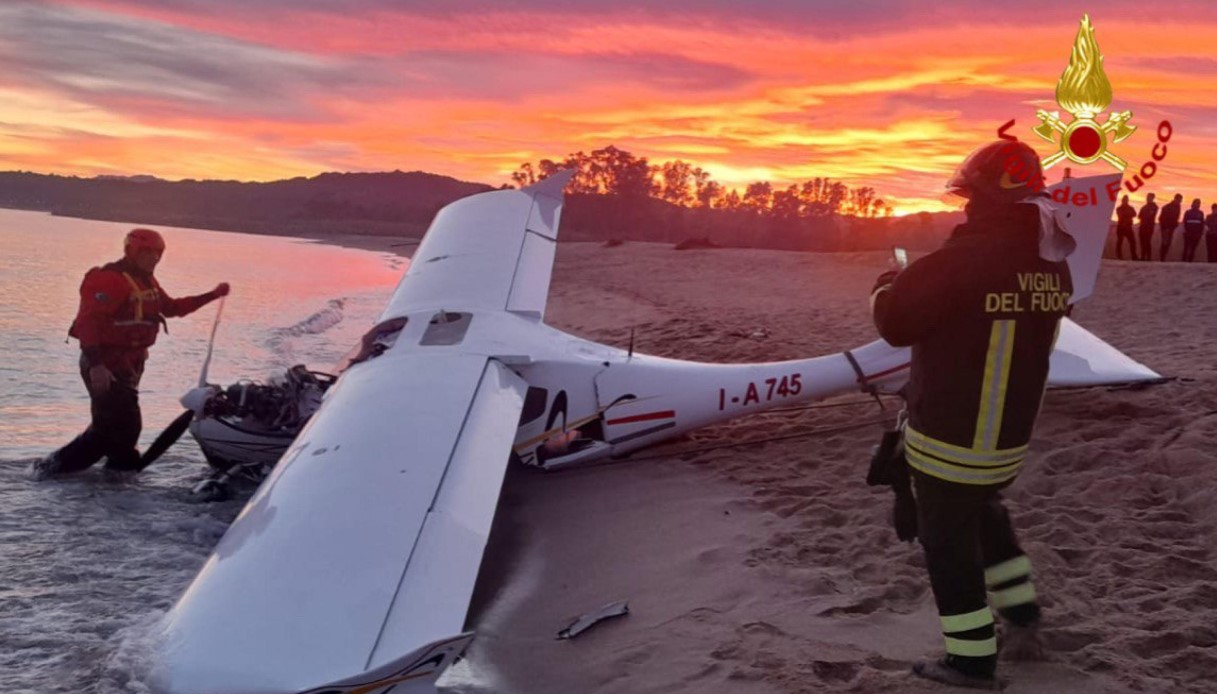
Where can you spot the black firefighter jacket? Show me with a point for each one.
(981, 315)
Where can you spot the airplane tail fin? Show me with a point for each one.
(1080, 359)
(1087, 218)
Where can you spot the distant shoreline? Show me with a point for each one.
(367, 242)
(403, 246)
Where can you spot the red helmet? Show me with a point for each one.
(142, 240)
(1002, 171)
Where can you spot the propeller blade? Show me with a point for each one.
(167, 438)
(211, 343)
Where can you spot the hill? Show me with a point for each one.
(403, 204)
(396, 203)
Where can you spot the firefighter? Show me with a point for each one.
(122, 308)
(1149, 212)
(1125, 214)
(981, 315)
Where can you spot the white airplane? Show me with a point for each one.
(351, 568)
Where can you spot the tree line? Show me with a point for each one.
(613, 171)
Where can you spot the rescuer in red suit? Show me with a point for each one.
(122, 308)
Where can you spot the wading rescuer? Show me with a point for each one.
(122, 308)
(981, 315)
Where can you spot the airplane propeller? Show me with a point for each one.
(193, 400)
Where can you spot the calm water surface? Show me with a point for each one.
(88, 566)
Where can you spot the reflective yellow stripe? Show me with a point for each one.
(959, 464)
(967, 621)
(993, 391)
(1020, 594)
(1008, 570)
(139, 298)
(955, 473)
(961, 455)
(972, 649)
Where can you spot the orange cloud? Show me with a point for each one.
(891, 99)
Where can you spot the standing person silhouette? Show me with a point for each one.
(1193, 229)
(1210, 235)
(1125, 214)
(1168, 221)
(1147, 215)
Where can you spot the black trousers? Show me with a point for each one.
(1210, 246)
(1191, 240)
(1168, 235)
(965, 530)
(1146, 234)
(1125, 234)
(115, 428)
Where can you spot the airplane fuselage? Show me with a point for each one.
(587, 401)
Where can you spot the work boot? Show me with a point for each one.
(942, 671)
(1021, 643)
(46, 468)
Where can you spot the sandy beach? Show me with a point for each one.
(770, 567)
(754, 557)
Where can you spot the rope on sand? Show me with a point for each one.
(767, 439)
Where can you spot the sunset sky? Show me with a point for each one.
(886, 94)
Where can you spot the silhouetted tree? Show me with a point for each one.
(614, 171)
(731, 201)
(758, 197)
(676, 177)
(524, 176)
(786, 204)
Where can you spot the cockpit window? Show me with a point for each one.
(534, 404)
(374, 343)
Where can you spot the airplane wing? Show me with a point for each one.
(362, 546)
(1082, 359)
(493, 251)
(1079, 359)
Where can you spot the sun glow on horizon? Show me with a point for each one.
(781, 95)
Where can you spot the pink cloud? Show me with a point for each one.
(884, 94)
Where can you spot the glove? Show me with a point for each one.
(904, 516)
(221, 289)
(100, 379)
(883, 465)
(904, 510)
(884, 280)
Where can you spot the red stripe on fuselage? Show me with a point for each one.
(642, 417)
(889, 372)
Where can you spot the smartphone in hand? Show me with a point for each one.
(900, 257)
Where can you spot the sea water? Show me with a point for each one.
(87, 565)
